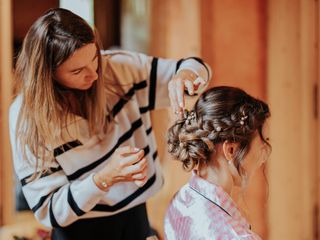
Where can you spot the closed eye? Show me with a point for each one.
(77, 71)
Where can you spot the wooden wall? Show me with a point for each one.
(23, 16)
(293, 65)
(107, 21)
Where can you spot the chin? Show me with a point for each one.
(86, 87)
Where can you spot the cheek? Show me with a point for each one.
(70, 81)
(251, 163)
(96, 65)
(265, 154)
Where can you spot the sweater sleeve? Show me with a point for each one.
(151, 74)
(54, 200)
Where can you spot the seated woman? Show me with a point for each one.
(224, 140)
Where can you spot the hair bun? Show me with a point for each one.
(189, 144)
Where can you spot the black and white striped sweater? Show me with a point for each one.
(69, 193)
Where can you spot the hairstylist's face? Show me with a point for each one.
(79, 71)
(259, 152)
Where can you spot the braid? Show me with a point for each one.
(221, 114)
(188, 142)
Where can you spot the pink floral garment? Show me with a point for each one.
(202, 210)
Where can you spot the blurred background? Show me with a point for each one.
(270, 48)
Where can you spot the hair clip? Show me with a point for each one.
(219, 129)
(243, 118)
(190, 116)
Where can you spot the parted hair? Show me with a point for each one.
(220, 114)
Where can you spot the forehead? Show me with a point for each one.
(80, 58)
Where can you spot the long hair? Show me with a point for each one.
(51, 40)
(220, 114)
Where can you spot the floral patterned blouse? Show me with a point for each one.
(202, 210)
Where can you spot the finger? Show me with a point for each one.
(141, 182)
(199, 83)
(173, 97)
(140, 175)
(190, 87)
(132, 158)
(136, 168)
(199, 80)
(127, 150)
(143, 170)
(180, 93)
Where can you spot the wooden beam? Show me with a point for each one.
(6, 172)
(291, 80)
(107, 21)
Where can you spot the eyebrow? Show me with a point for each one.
(80, 68)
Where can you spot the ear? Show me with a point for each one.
(229, 150)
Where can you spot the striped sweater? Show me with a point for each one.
(68, 192)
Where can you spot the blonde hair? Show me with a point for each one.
(51, 40)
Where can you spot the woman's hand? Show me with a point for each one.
(126, 164)
(184, 80)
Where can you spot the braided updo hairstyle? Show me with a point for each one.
(220, 114)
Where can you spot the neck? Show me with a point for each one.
(218, 174)
(72, 99)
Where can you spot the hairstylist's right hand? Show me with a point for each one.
(126, 164)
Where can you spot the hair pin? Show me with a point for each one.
(190, 116)
(243, 118)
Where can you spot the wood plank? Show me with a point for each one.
(6, 172)
(291, 76)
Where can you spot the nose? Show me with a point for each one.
(92, 73)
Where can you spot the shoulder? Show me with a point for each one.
(123, 57)
(124, 67)
(16, 104)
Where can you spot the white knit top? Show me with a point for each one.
(68, 192)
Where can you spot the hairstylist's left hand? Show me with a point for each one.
(184, 80)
